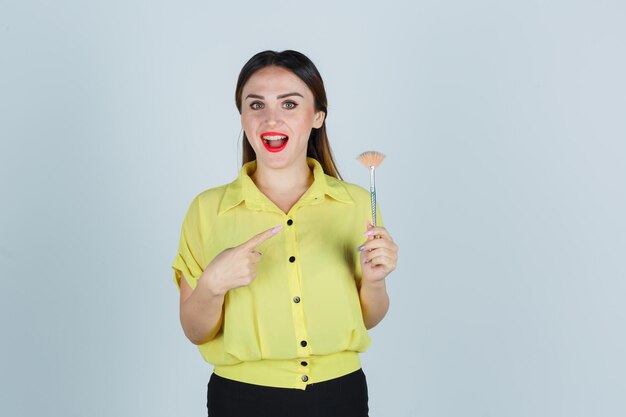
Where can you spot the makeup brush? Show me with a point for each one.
(371, 160)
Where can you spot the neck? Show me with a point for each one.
(294, 179)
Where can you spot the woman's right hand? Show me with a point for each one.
(235, 267)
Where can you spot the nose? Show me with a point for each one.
(272, 117)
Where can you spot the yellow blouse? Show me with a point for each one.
(300, 321)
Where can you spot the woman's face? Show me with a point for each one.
(277, 114)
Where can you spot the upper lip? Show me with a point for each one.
(264, 135)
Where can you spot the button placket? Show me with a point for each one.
(305, 371)
(297, 300)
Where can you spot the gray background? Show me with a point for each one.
(504, 185)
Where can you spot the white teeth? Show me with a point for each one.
(274, 137)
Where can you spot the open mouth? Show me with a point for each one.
(274, 141)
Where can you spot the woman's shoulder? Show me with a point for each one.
(355, 191)
(207, 199)
(211, 195)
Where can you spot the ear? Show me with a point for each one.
(318, 119)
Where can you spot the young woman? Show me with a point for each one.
(280, 273)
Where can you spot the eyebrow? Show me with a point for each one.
(278, 96)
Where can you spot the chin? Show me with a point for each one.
(279, 161)
(272, 162)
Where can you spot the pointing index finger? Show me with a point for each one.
(261, 237)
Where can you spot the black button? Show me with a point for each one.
(292, 259)
(303, 363)
(296, 299)
(305, 378)
(303, 343)
(289, 222)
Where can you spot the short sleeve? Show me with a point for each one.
(188, 258)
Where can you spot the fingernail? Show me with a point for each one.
(369, 233)
(360, 248)
(277, 229)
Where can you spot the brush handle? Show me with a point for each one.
(373, 195)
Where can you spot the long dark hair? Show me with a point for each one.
(303, 68)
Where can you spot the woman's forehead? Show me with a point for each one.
(272, 81)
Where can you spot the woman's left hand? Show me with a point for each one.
(379, 255)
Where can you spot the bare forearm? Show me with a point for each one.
(374, 302)
(201, 314)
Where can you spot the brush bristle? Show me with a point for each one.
(371, 159)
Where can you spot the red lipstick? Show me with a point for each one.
(274, 141)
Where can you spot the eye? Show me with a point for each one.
(256, 105)
(290, 105)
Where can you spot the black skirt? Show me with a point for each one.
(345, 396)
